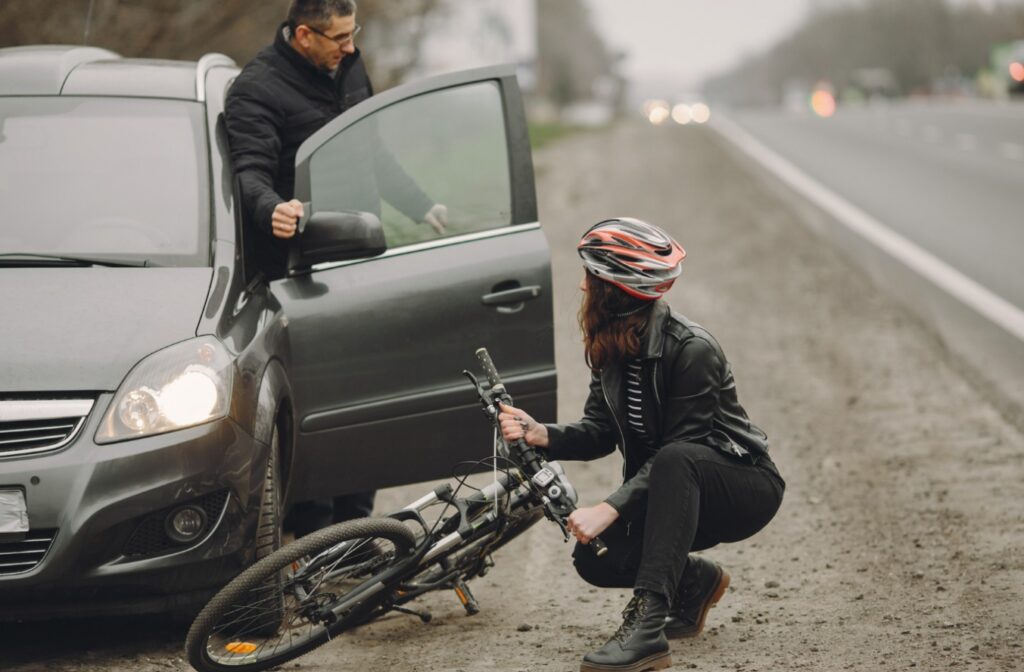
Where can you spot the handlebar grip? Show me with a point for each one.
(489, 369)
(599, 547)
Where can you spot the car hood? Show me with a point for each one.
(76, 329)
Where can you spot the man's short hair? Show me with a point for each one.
(318, 13)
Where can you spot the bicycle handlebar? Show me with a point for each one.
(556, 496)
(489, 369)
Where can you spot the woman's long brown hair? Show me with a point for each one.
(609, 335)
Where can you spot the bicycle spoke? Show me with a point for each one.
(287, 609)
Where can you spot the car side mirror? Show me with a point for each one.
(337, 236)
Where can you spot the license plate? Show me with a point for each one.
(13, 512)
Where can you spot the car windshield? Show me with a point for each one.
(121, 179)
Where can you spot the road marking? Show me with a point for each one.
(1012, 151)
(997, 309)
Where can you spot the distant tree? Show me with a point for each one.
(571, 56)
(918, 41)
(187, 29)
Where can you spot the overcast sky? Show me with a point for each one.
(688, 40)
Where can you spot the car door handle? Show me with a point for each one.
(515, 296)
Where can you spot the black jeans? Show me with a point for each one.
(306, 517)
(698, 498)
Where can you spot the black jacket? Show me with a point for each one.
(276, 102)
(686, 374)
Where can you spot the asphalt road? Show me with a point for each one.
(947, 175)
(900, 542)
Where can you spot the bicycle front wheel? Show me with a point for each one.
(273, 611)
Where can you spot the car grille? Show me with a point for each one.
(29, 426)
(149, 538)
(25, 553)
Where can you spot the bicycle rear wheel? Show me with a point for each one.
(269, 613)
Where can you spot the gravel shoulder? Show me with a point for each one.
(900, 543)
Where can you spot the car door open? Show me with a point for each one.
(378, 344)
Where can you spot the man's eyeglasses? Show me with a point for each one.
(340, 40)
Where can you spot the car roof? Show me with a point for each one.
(52, 70)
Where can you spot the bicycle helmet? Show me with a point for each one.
(633, 255)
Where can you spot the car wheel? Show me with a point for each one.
(268, 539)
(268, 531)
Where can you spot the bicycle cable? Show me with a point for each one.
(461, 480)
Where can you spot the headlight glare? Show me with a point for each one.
(181, 386)
(190, 398)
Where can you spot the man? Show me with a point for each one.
(310, 74)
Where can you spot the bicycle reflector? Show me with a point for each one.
(240, 647)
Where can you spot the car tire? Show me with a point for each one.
(268, 534)
(268, 530)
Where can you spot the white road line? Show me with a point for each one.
(1012, 151)
(994, 307)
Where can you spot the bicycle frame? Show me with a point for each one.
(531, 483)
(345, 575)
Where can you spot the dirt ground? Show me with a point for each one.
(900, 543)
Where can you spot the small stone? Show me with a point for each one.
(771, 584)
(918, 575)
(525, 627)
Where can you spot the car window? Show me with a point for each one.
(446, 147)
(117, 178)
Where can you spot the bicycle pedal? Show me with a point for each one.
(465, 596)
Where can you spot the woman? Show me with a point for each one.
(696, 472)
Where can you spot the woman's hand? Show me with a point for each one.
(591, 521)
(516, 424)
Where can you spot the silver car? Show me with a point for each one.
(160, 401)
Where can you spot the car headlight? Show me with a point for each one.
(181, 386)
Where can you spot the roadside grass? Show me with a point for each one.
(542, 134)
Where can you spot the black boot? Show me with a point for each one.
(639, 644)
(703, 584)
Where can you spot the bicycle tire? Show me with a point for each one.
(223, 635)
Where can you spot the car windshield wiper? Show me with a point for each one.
(31, 259)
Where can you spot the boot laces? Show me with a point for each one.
(631, 615)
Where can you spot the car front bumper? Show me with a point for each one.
(104, 506)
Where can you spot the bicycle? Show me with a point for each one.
(349, 574)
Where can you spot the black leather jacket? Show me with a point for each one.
(685, 373)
